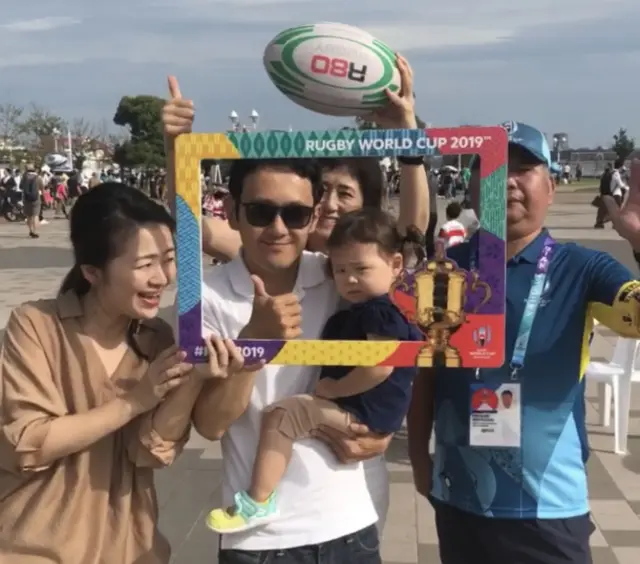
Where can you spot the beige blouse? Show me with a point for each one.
(97, 506)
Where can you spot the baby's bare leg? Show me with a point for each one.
(272, 459)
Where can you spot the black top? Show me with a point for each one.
(382, 408)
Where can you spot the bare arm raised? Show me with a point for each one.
(218, 239)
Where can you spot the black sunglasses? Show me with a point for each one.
(263, 214)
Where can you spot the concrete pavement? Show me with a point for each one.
(30, 269)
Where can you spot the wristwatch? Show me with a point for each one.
(411, 161)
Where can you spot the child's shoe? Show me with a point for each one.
(245, 514)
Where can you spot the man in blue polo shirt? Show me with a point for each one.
(510, 486)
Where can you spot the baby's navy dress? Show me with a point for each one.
(384, 407)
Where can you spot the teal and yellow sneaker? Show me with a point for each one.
(245, 514)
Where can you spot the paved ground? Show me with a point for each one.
(34, 268)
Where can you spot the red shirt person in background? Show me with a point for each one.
(453, 232)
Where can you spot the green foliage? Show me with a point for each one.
(40, 123)
(623, 145)
(10, 123)
(131, 154)
(141, 115)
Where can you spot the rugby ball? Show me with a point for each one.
(54, 160)
(333, 69)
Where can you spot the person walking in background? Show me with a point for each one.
(45, 195)
(465, 176)
(61, 196)
(453, 232)
(605, 190)
(619, 187)
(31, 188)
(73, 188)
(578, 172)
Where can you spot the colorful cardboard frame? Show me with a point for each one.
(483, 318)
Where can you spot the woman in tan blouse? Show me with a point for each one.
(94, 395)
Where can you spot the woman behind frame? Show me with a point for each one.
(95, 395)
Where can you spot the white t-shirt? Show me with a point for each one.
(319, 498)
(469, 221)
(618, 186)
(453, 233)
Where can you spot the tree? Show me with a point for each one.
(10, 124)
(141, 116)
(102, 131)
(623, 145)
(40, 127)
(131, 154)
(84, 140)
(82, 129)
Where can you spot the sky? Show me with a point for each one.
(562, 65)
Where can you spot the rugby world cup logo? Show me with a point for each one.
(482, 336)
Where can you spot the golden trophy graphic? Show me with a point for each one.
(439, 291)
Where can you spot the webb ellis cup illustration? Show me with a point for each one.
(439, 290)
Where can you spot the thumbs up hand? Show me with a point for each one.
(177, 113)
(273, 317)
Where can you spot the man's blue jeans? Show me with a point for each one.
(362, 547)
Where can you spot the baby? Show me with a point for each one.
(365, 257)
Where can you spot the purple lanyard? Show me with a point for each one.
(531, 307)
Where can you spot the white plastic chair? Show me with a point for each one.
(616, 377)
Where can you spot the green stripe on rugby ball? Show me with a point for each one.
(368, 105)
(278, 72)
(329, 109)
(291, 33)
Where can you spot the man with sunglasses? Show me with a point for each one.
(277, 290)
(525, 501)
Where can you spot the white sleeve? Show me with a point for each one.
(615, 182)
(211, 322)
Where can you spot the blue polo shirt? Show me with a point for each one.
(545, 478)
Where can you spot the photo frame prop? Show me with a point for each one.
(460, 313)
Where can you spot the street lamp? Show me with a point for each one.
(558, 142)
(56, 135)
(255, 118)
(235, 121)
(237, 125)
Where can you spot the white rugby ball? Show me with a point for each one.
(55, 160)
(333, 69)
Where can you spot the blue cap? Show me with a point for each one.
(532, 140)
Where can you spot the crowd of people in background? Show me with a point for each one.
(26, 194)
